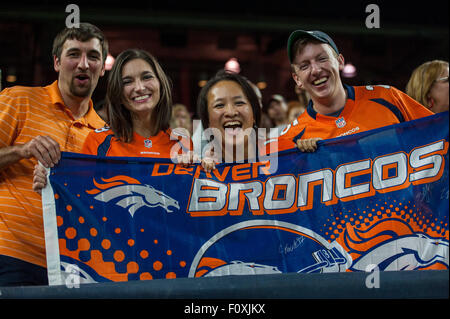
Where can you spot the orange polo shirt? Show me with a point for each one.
(26, 112)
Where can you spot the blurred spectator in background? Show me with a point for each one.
(100, 109)
(428, 85)
(258, 93)
(302, 95)
(295, 109)
(266, 122)
(277, 111)
(181, 118)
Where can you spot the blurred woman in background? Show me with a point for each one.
(428, 85)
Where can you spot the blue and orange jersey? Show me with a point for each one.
(102, 142)
(275, 145)
(366, 108)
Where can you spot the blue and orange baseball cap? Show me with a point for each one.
(318, 35)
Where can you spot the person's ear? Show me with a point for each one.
(341, 62)
(297, 80)
(102, 73)
(56, 63)
(430, 102)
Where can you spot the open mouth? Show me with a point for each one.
(82, 78)
(233, 127)
(320, 81)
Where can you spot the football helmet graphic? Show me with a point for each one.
(268, 247)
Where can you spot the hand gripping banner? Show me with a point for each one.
(377, 198)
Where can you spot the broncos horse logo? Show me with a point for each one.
(130, 194)
(392, 245)
(406, 253)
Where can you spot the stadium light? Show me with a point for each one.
(232, 65)
(109, 62)
(349, 71)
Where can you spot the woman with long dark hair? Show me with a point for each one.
(138, 110)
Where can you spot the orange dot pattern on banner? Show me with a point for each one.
(145, 276)
(393, 214)
(364, 217)
(119, 256)
(157, 265)
(59, 221)
(97, 255)
(71, 233)
(171, 275)
(109, 268)
(144, 254)
(106, 244)
(132, 267)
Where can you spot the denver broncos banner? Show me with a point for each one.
(377, 198)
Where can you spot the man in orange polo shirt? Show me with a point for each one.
(36, 124)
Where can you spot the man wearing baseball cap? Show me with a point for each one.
(337, 109)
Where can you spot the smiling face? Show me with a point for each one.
(316, 70)
(141, 88)
(79, 66)
(231, 113)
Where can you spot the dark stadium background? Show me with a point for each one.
(193, 39)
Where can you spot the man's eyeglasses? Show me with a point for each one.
(442, 79)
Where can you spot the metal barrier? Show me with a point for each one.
(397, 285)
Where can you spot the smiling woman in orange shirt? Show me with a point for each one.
(139, 109)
